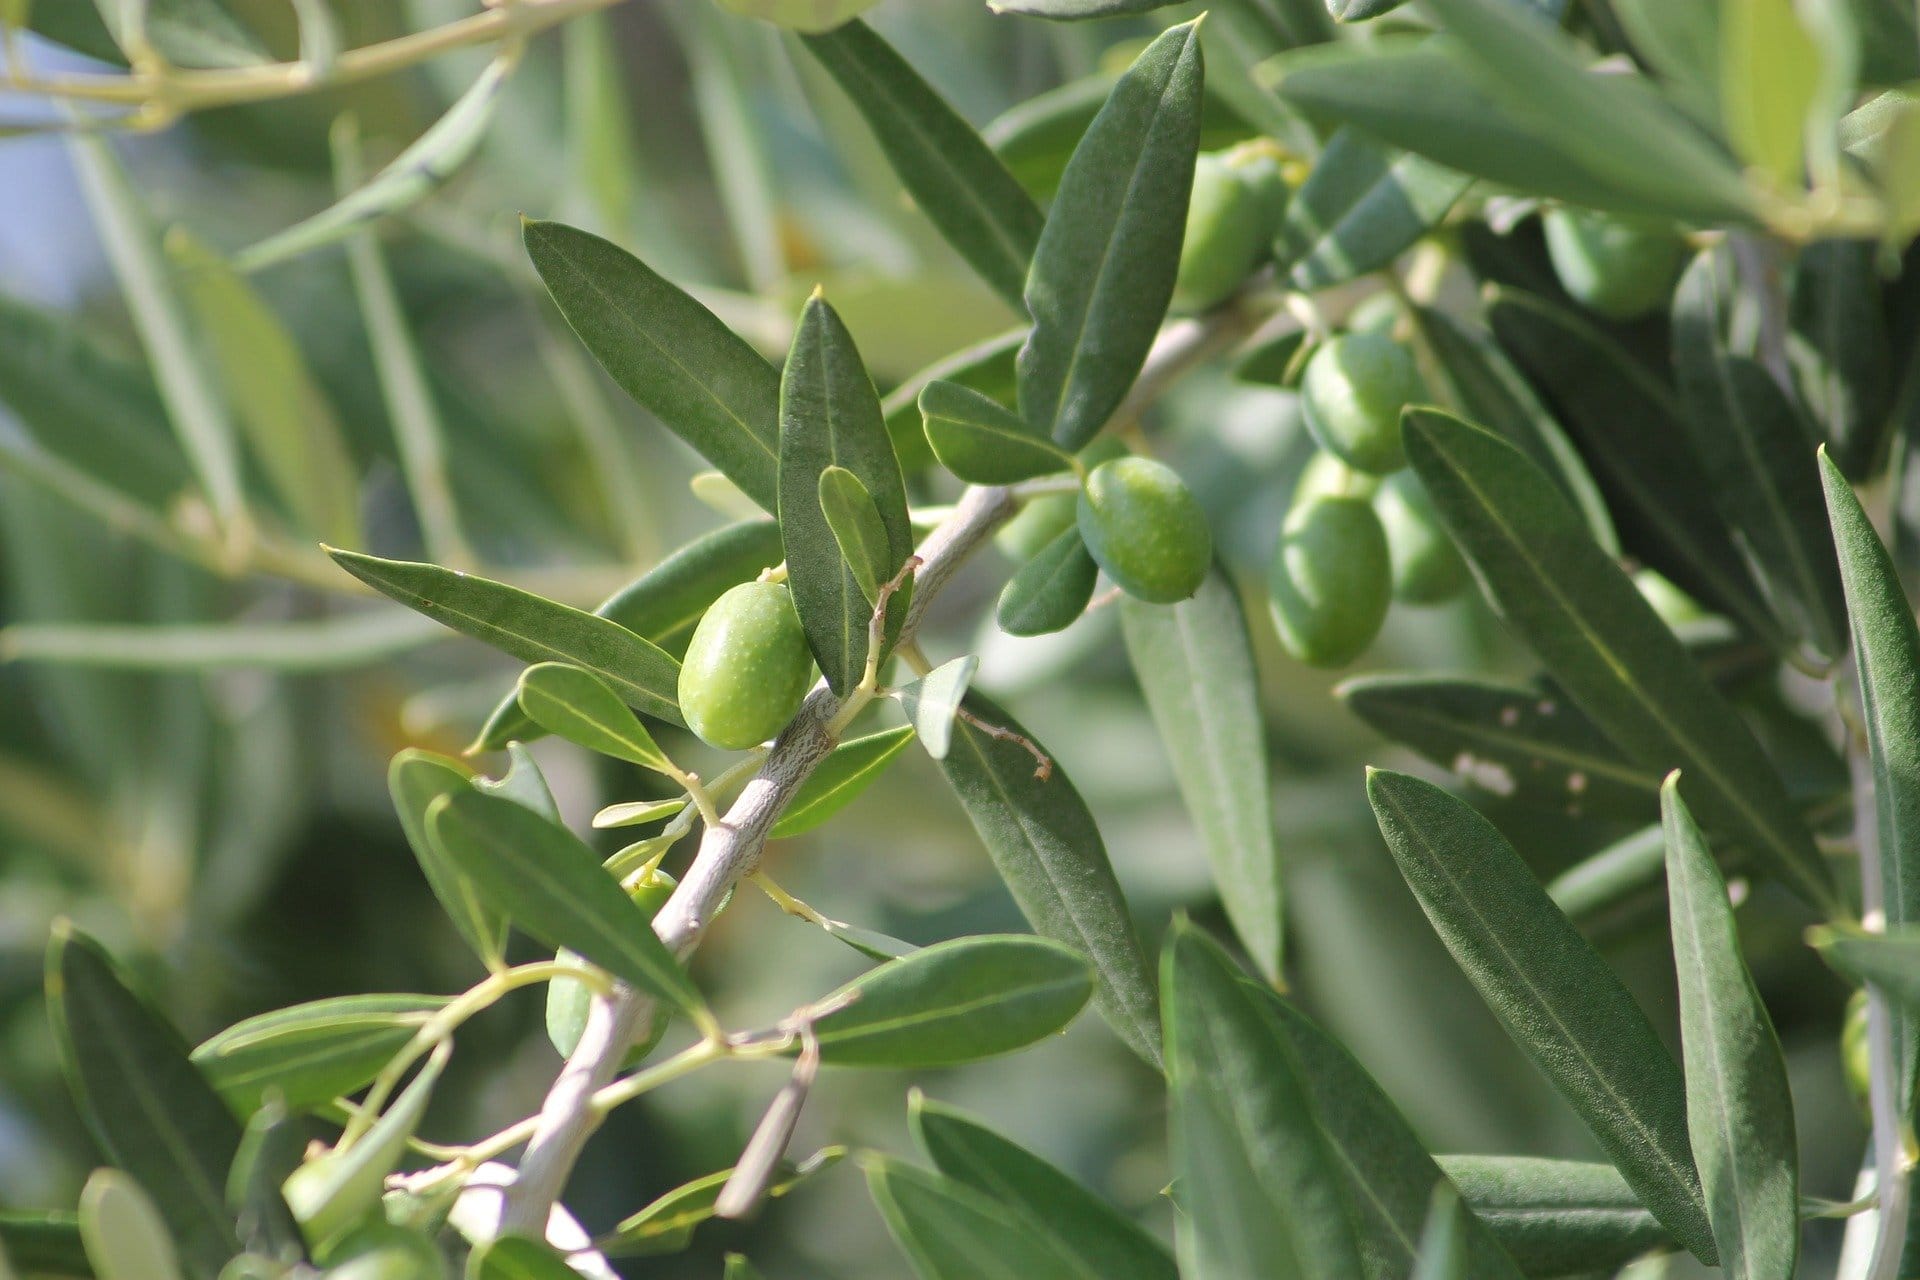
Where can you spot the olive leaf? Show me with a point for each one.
(1050, 591)
(1104, 268)
(951, 173)
(666, 1225)
(987, 367)
(856, 527)
(44, 1240)
(329, 1193)
(1443, 1242)
(1556, 1217)
(949, 1231)
(838, 780)
(306, 1055)
(1769, 78)
(580, 707)
(830, 417)
(518, 1258)
(1891, 960)
(668, 352)
(981, 442)
(1361, 207)
(932, 701)
(125, 1237)
(415, 779)
(1557, 998)
(1839, 350)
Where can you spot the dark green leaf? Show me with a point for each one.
(1602, 641)
(1103, 272)
(1046, 847)
(1194, 662)
(309, 1054)
(1262, 1191)
(271, 1148)
(415, 780)
(1891, 961)
(1389, 1177)
(1360, 208)
(1628, 422)
(949, 1231)
(47, 1243)
(667, 1224)
(331, 1193)
(1555, 995)
(830, 416)
(668, 352)
(1518, 743)
(856, 527)
(1050, 591)
(518, 1258)
(1739, 1110)
(664, 605)
(955, 1002)
(1046, 1201)
(147, 1106)
(952, 175)
(1759, 451)
(848, 770)
(557, 891)
(523, 783)
(986, 367)
(1839, 349)
(578, 705)
(983, 443)
(528, 627)
(1556, 1217)
(932, 701)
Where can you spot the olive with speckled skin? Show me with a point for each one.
(1352, 394)
(747, 667)
(1331, 580)
(1144, 527)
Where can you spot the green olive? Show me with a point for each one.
(1427, 568)
(1330, 581)
(1145, 528)
(568, 1000)
(1326, 474)
(1354, 389)
(379, 1250)
(1621, 267)
(747, 667)
(1226, 235)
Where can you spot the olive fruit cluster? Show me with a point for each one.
(1361, 531)
(1238, 199)
(747, 668)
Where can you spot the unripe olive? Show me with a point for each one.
(747, 667)
(1354, 389)
(378, 1250)
(1145, 528)
(1226, 235)
(1620, 267)
(1047, 517)
(568, 1000)
(1427, 568)
(1330, 580)
(1325, 474)
(1377, 314)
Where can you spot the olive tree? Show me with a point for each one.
(1596, 324)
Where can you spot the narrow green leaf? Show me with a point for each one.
(1759, 451)
(1443, 1242)
(830, 416)
(1389, 1177)
(1839, 349)
(288, 423)
(1889, 960)
(856, 527)
(987, 367)
(932, 702)
(198, 414)
(668, 352)
(330, 1193)
(951, 173)
(125, 1237)
(578, 705)
(556, 890)
(955, 1002)
(413, 175)
(1623, 877)
(1769, 75)
(309, 1054)
(983, 443)
(1050, 591)
(1044, 1200)
(847, 771)
(190, 33)
(44, 1241)
(667, 1224)
(1194, 662)
(528, 627)
(1603, 643)
(1103, 271)
(1046, 847)
(1739, 1110)
(1886, 652)
(1631, 429)
(415, 779)
(328, 644)
(1557, 998)
(634, 813)
(1682, 43)
(1519, 743)
(518, 1258)
(1557, 1217)
(1361, 207)
(949, 1231)
(663, 605)
(1261, 1189)
(523, 783)
(272, 1146)
(147, 1106)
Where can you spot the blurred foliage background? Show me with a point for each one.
(226, 826)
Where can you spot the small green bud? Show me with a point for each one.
(1330, 580)
(1145, 528)
(1353, 392)
(747, 667)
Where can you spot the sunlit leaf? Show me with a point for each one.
(982, 442)
(580, 707)
(307, 1055)
(838, 780)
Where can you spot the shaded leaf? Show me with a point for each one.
(856, 527)
(849, 769)
(1050, 591)
(955, 1002)
(949, 1231)
(125, 1237)
(518, 1258)
(1103, 271)
(415, 779)
(330, 1193)
(578, 705)
(1361, 207)
(1557, 998)
(307, 1055)
(44, 1241)
(983, 443)
(1891, 961)
(1046, 847)
(932, 701)
(328, 644)
(190, 33)
(1556, 1217)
